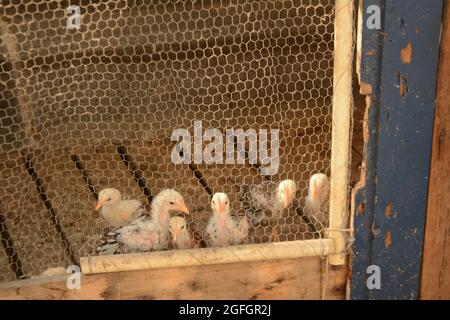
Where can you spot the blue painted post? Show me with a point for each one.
(399, 63)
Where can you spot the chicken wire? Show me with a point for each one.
(95, 107)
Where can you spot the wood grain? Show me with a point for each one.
(207, 256)
(281, 279)
(342, 114)
(435, 282)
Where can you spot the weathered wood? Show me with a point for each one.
(342, 113)
(28, 221)
(206, 256)
(435, 281)
(281, 279)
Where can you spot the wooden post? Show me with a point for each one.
(342, 113)
(435, 280)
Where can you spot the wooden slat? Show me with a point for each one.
(283, 279)
(435, 281)
(207, 256)
(71, 199)
(342, 124)
(28, 221)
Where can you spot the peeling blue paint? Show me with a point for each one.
(399, 148)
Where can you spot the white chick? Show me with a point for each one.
(117, 211)
(146, 233)
(180, 235)
(264, 203)
(318, 192)
(221, 228)
(241, 231)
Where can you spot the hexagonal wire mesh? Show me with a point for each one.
(89, 108)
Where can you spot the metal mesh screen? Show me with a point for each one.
(95, 107)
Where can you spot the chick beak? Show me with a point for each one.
(220, 207)
(183, 208)
(100, 205)
(175, 235)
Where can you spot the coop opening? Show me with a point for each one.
(174, 133)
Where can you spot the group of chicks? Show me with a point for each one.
(136, 228)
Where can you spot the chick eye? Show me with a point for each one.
(214, 202)
(172, 203)
(226, 202)
(109, 199)
(182, 227)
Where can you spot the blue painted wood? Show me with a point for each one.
(390, 232)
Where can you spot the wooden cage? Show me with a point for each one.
(56, 197)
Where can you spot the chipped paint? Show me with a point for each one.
(361, 209)
(388, 239)
(375, 230)
(403, 85)
(371, 53)
(366, 120)
(392, 151)
(406, 54)
(365, 88)
(388, 211)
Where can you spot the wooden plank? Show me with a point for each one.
(341, 118)
(435, 281)
(71, 199)
(38, 244)
(206, 256)
(282, 279)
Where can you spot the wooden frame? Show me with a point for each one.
(341, 130)
(301, 258)
(398, 78)
(303, 278)
(207, 256)
(335, 245)
(435, 280)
